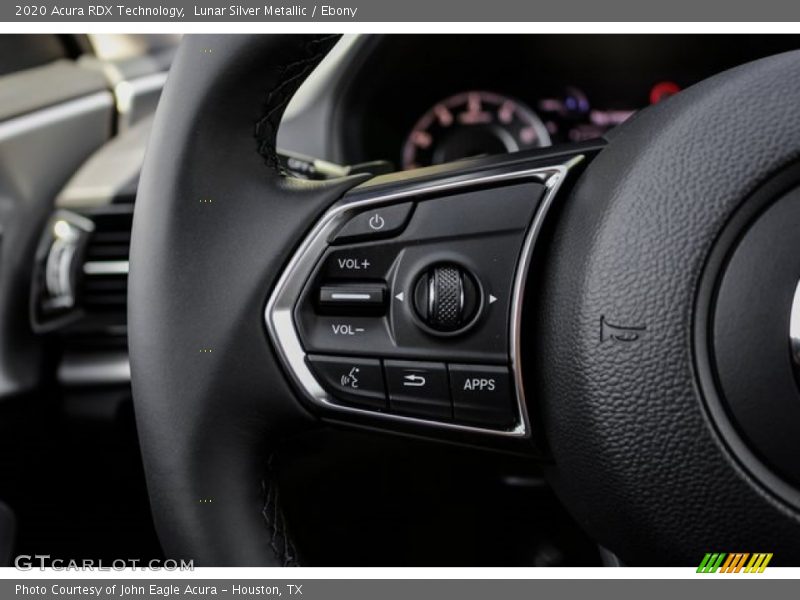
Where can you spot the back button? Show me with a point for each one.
(418, 389)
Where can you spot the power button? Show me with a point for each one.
(375, 223)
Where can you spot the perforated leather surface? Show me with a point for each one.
(636, 458)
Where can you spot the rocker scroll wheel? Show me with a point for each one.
(446, 297)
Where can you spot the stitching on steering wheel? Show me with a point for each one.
(280, 539)
(290, 77)
(266, 131)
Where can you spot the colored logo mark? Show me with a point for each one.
(737, 562)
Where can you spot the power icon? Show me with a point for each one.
(376, 222)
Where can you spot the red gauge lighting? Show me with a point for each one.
(663, 90)
(471, 124)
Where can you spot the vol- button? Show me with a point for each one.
(347, 329)
(329, 334)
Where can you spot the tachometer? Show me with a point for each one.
(471, 124)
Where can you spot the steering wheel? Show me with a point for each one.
(620, 311)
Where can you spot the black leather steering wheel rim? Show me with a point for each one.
(215, 221)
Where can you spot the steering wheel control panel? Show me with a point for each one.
(405, 305)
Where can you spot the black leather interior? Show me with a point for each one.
(637, 460)
(215, 221)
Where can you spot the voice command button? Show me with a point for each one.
(353, 381)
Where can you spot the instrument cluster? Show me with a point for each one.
(422, 100)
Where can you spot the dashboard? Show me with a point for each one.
(421, 100)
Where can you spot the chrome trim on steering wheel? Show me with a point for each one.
(794, 328)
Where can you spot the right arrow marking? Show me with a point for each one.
(492, 299)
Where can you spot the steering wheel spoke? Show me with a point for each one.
(401, 310)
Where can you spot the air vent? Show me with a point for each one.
(103, 281)
(81, 275)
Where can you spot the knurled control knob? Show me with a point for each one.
(446, 297)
